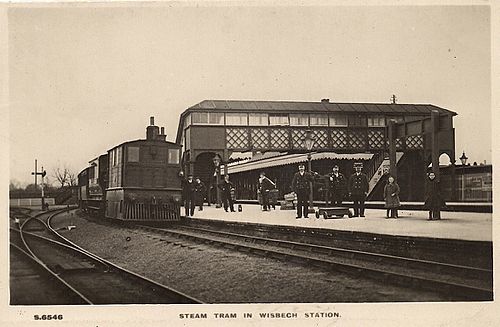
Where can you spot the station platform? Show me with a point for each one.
(470, 226)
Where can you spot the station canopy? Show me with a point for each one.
(261, 162)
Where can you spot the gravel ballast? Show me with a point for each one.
(217, 275)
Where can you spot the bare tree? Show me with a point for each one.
(61, 175)
(72, 181)
(64, 176)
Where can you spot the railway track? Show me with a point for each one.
(94, 279)
(19, 212)
(31, 283)
(459, 282)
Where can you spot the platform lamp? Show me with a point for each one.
(463, 159)
(309, 143)
(216, 161)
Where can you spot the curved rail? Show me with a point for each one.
(53, 275)
(113, 268)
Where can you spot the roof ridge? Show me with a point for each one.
(212, 101)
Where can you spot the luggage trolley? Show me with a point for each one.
(333, 212)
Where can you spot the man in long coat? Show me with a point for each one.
(265, 186)
(301, 185)
(337, 186)
(188, 189)
(358, 190)
(226, 188)
(433, 199)
(199, 190)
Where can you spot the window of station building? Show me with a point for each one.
(338, 120)
(299, 120)
(199, 117)
(376, 121)
(187, 121)
(119, 154)
(236, 119)
(357, 121)
(278, 119)
(216, 118)
(173, 156)
(398, 119)
(114, 157)
(187, 137)
(207, 118)
(258, 119)
(133, 154)
(319, 120)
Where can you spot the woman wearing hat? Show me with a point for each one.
(391, 197)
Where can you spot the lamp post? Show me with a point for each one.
(216, 161)
(309, 143)
(463, 160)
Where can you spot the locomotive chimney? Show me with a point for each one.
(152, 131)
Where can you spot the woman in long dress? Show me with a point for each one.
(391, 197)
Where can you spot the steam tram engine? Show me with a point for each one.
(135, 181)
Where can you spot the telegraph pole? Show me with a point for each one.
(42, 173)
(392, 148)
(34, 173)
(435, 150)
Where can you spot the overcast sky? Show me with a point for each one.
(83, 80)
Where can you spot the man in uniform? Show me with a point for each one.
(358, 190)
(188, 189)
(337, 186)
(226, 188)
(301, 186)
(199, 191)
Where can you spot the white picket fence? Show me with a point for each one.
(29, 202)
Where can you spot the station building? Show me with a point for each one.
(248, 137)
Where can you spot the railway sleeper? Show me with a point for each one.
(470, 273)
(72, 268)
(403, 280)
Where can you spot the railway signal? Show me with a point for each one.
(41, 173)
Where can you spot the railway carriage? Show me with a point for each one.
(83, 184)
(140, 182)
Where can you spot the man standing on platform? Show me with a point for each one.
(265, 186)
(337, 186)
(301, 186)
(226, 189)
(199, 190)
(188, 190)
(358, 190)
